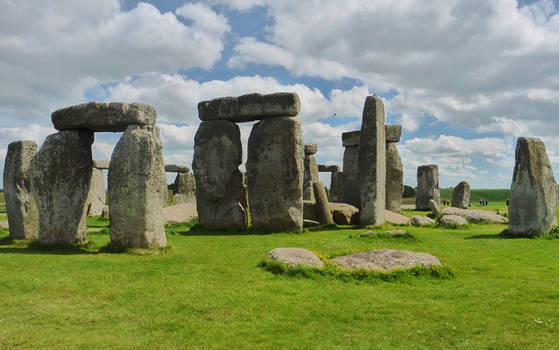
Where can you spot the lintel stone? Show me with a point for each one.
(351, 138)
(393, 133)
(329, 168)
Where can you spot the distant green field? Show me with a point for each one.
(492, 195)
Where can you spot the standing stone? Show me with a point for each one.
(311, 171)
(60, 180)
(23, 217)
(461, 195)
(533, 203)
(97, 196)
(219, 185)
(322, 206)
(372, 163)
(275, 174)
(185, 184)
(138, 189)
(435, 208)
(427, 186)
(337, 187)
(350, 141)
(394, 178)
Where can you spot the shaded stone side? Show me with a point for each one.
(23, 216)
(337, 187)
(60, 179)
(328, 168)
(427, 186)
(533, 202)
(219, 185)
(394, 178)
(185, 184)
(322, 206)
(311, 171)
(97, 196)
(173, 168)
(393, 133)
(350, 176)
(461, 195)
(138, 189)
(275, 174)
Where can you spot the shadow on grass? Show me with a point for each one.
(194, 229)
(506, 235)
(35, 247)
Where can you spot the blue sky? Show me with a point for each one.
(463, 77)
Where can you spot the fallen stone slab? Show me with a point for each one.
(329, 168)
(452, 221)
(476, 216)
(395, 218)
(96, 116)
(294, 257)
(173, 168)
(386, 260)
(178, 213)
(421, 221)
(344, 214)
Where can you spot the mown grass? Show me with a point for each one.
(492, 195)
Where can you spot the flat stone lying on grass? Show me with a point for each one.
(452, 221)
(294, 257)
(395, 218)
(386, 260)
(344, 214)
(421, 221)
(184, 212)
(396, 232)
(476, 216)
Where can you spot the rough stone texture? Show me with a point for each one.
(427, 186)
(393, 133)
(395, 218)
(452, 221)
(421, 221)
(60, 180)
(310, 176)
(434, 207)
(311, 148)
(461, 195)
(322, 206)
(533, 201)
(309, 210)
(219, 183)
(181, 199)
(322, 168)
(173, 168)
(344, 214)
(310, 223)
(386, 260)
(350, 176)
(275, 174)
(394, 178)
(97, 196)
(185, 184)
(250, 107)
(101, 164)
(476, 216)
(336, 187)
(23, 216)
(95, 116)
(294, 257)
(178, 213)
(244, 193)
(351, 138)
(372, 163)
(138, 189)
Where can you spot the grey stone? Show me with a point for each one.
(23, 216)
(452, 221)
(476, 216)
(393, 133)
(185, 184)
(181, 199)
(294, 257)
(309, 210)
(322, 205)
(97, 196)
(310, 223)
(177, 213)
(533, 202)
(395, 218)
(138, 189)
(250, 107)
(96, 116)
(350, 176)
(372, 163)
(219, 184)
(434, 207)
(461, 195)
(101, 164)
(329, 168)
(421, 221)
(336, 187)
(244, 193)
(351, 138)
(311, 148)
(394, 178)
(386, 260)
(60, 180)
(344, 214)
(275, 174)
(173, 168)
(427, 186)
(310, 176)
(396, 232)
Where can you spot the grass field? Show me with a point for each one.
(492, 195)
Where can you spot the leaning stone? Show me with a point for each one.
(476, 216)
(393, 133)
(329, 168)
(351, 138)
(294, 257)
(96, 116)
(185, 184)
(173, 168)
(60, 180)
(310, 223)
(138, 189)
(336, 187)
(101, 164)
(394, 178)
(310, 176)
(219, 184)
(344, 214)
(427, 186)
(533, 202)
(23, 216)
(461, 195)
(275, 174)
(97, 196)
(322, 205)
(386, 260)
(372, 163)
(310, 148)
(395, 218)
(250, 107)
(434, 207)
(452, 221)
(421, 221)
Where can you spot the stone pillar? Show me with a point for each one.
(461, 195)
(394, 169)
(372, 163)
(219, 187)
(138, 189)
(533, 202)
(60, 180)
(350, 141)
(275, 174)
(311, 171)
(23, 216)
(427, 186)
(323, 210)
(97, 195)
(336, 187)
(184, 188)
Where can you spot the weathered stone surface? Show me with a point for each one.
(394, 178)
(96, 116)
(275, 174)
(23, 216)
(396, 232)
(97, 196)
(386, 260)
(294, 257)
(310, 176)
(184, 212)
(461, 195)
(309, 210)
(421, 221)
(372, 163)
(393, 133)
(138, 189)
(250, 107)
(434, 207)
(336, 187)
(101, 164)
(476, 216)
(344, 214)
(350, 176)
(452, 221)
(185, 185)
(181, 199)
(60, 180)
(395, 218)
(310, 223)
(322, 205)
(351, 138)
(219, 183)
(173, 168)
(322, 168)
(311, 148)
(244, 192)
(427, 186)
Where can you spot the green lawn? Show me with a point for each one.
(208, 292)
(492, 195)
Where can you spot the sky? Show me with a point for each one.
(464, 78)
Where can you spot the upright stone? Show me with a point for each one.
(311, 171)
(60, 180)
(350, 141)
(23, 217)
(533, 203)
(97, 195)
(322, 206)
(372, 163)
(427, 186)
(337, 187)
(185, 184)
(138, 189)
(219, 185)
(461, 195)
(394, 178)
(275, 174)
